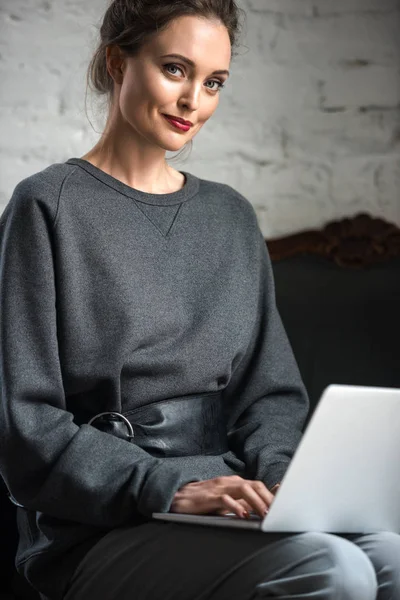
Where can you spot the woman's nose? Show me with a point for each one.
(190, 98)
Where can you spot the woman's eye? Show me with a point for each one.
(218, 85)
(172, 69)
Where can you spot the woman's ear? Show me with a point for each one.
(115, 63)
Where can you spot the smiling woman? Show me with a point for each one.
(162, 76)
(144, 366)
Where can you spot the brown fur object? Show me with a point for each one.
(360, 241)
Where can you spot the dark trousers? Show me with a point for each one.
(170, 561)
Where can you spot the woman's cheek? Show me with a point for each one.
(209, 108)
(161, 90)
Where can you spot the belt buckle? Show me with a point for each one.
(114, 416)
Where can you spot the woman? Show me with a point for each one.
(138, 300)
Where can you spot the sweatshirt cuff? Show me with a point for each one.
(166, 478)
(159, 490)
(274, 474)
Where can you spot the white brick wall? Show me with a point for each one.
(308, 127)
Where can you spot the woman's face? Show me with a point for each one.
(157, 82)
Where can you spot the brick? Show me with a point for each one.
(28, 91)
(368, 185)
(270, 90)
(387, 182)
(292, 214)
(257, 140)
(16, 11)
(306, 177)
(321, 7)
(14, 168)
(353, 182)
(288, 194)
(286, 7)
(342, 134)
(329, 7)
(370, 87)
(349, 41)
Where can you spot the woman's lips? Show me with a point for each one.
(176, 124)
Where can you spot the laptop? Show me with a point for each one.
(345, 474)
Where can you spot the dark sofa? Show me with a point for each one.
(338, 293)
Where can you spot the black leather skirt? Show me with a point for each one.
(185, 426)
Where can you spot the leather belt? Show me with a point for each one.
(185, 426)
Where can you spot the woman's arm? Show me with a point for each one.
(49, 463)
(266, 402)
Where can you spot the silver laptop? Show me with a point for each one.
(345, 474)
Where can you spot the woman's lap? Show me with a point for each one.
(383, 550)
(169, 561)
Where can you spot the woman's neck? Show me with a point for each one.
(136, 164)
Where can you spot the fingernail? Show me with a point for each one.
(246, 514)
(265, 512)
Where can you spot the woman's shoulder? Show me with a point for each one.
(49, 179)
(43, 187)
(227, 196)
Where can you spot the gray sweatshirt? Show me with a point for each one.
(110, 299)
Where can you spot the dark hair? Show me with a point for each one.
(130, 23)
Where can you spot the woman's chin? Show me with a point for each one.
(173, 146)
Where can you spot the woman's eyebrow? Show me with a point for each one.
(192, 64)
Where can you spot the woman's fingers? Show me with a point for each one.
(263, 492)
(245, 505)
(229, 504)
(226, 494)
(275, 489)
(197, 497)
(255, 500)
(255, 493)
(204, 497)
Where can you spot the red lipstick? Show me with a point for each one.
(178, 122)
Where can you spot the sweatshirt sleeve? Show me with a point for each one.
(48, 463)
(265, 401)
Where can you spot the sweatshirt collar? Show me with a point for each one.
(190, 188)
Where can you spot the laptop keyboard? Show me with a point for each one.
(253, 516)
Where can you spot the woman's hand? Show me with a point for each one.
(221, 495)
(246, 505)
